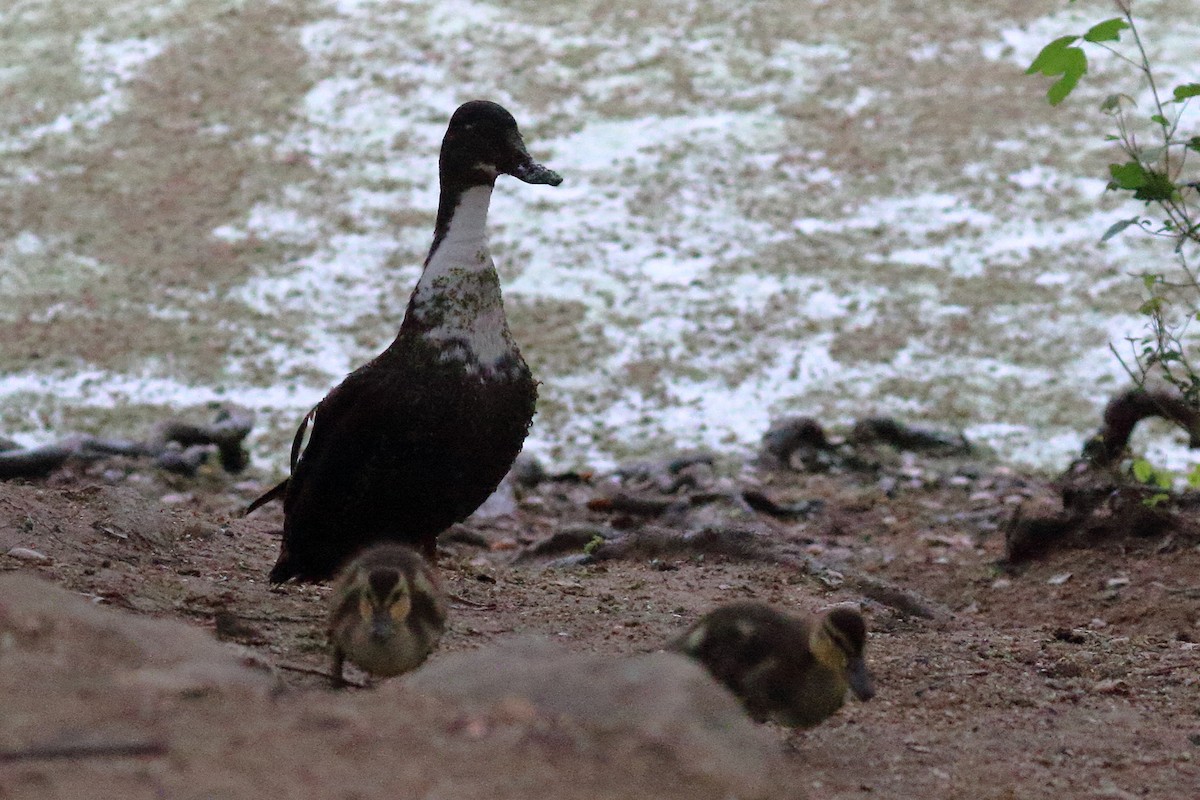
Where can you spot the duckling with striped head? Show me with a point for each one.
(389, 611)
(792, 671)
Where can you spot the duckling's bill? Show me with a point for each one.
(861, 682)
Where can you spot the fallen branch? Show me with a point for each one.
(763, 504)
(174, 444)
(904, 437)
(79, 750)
(34, 462)
(905, 601)
(622, 503)
(649, 543)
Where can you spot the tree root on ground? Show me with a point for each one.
(1100, 501)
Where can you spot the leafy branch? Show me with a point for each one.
(1154, 173)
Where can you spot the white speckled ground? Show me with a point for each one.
(783, 207)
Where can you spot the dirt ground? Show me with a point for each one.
(1073, 677)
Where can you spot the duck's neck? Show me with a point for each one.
(460, 234)
(456, 306)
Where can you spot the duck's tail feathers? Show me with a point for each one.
(274, 493)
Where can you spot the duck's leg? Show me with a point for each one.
(336, 677)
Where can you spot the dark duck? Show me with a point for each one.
(417, 439)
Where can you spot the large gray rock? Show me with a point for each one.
(659, 700)
(45, 629)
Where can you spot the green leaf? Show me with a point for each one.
(1117, 227)
(1159, 119)
(1128, 176)
(1052, 60)
(1107, 31)
(1194, 143)
(1185, 91)
(1155, 499)
(1142, 470)
(1149, 279)
(1066, 84)
(1060, 58)
(1193, 477)
(1157, 187)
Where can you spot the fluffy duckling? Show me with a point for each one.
(784, 669)
(389, 611)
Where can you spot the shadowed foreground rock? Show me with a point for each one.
(93, 697)
(44, 626)
(657, 700)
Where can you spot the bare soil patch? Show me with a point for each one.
(1073, 677)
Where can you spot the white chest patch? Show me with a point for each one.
(458, 295)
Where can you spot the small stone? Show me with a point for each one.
(501, 503)
(1072, 635)
(176, 498)
(28, 554)
(1059, 579)
(1111, 686)
(1116, 583)
(1001, 583)
(1097, 623)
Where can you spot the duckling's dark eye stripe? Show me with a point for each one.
(425, 609)
(348, 604)
(840, 639)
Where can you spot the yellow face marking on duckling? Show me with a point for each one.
(851, 663)
(400, 607)
(825, 649)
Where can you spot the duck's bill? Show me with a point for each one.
(530, 171)
(381, 628)
(860, 680)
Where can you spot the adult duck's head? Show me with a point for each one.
(482, 141)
